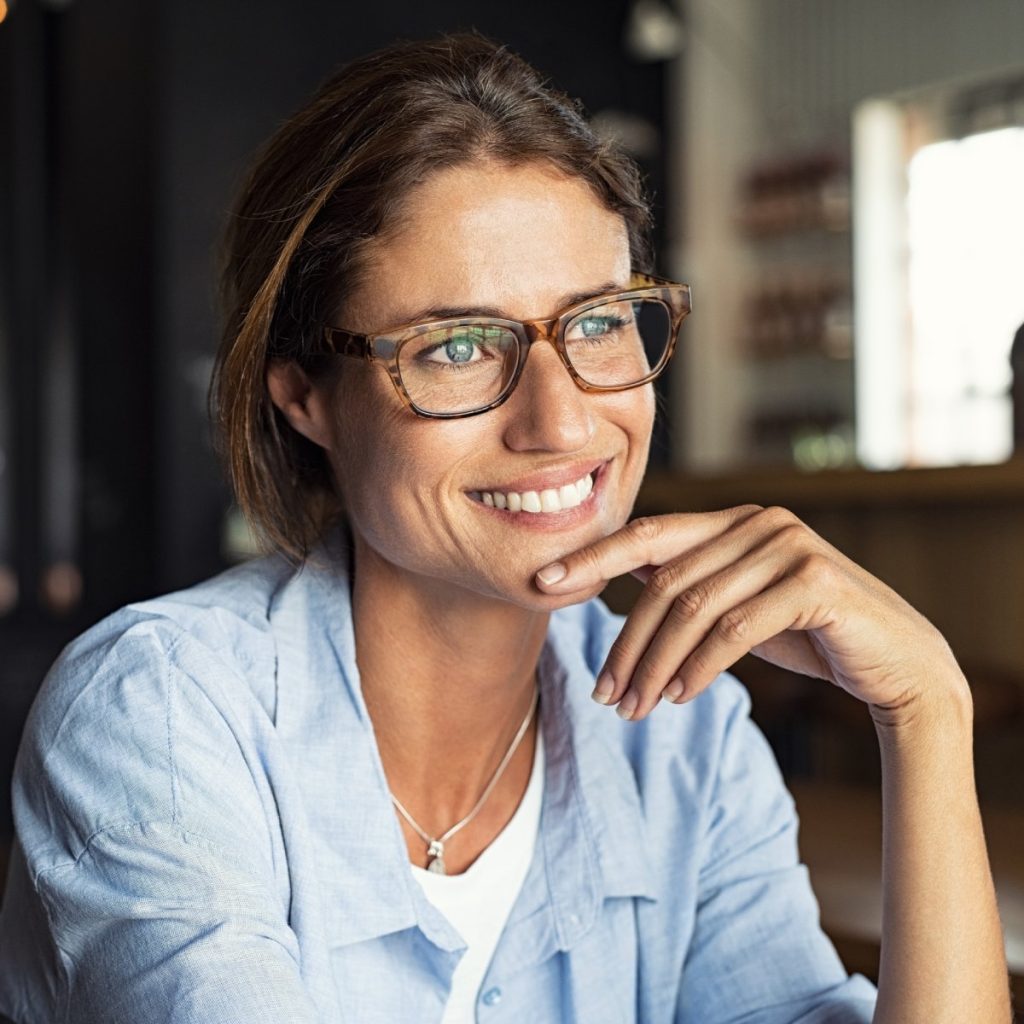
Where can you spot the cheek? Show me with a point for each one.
(633, 412)
(363, 460)
(393, 467)
(647, 410)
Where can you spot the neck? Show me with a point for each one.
(448, 677)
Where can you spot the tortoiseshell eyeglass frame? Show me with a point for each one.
(384, 347)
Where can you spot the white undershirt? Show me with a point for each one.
(477, 902)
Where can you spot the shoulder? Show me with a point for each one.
(218, 627)
(177, 680)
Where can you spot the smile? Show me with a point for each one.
(551, 499)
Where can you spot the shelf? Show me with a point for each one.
(834, 488)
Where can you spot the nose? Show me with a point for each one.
(547, 411)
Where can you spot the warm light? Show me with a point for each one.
(965, 224)
(938, 266)
(3, 9)
(879, 288)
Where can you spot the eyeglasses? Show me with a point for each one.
(465, 366)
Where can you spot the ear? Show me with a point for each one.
(304, 406)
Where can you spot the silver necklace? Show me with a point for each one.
(435, 846)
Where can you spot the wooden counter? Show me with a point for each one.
(835, 488)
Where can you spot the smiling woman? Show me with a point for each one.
(362, 777)
(461, 243)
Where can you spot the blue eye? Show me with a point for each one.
(595, 325)
(459, 349)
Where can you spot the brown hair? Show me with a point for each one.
(332, 180)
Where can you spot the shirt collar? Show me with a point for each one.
(592, 833)
(592, 827)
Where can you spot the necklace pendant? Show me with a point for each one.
(436, 851)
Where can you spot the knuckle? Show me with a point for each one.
(691, 604)
(791, 534)
(622, 651)
(778, 518)
(646, 528)
(734, 626)
(588, 559)
(746, 511)
(664, 581)
(817, 567)
(697, 668)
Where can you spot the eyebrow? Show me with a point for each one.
(454, 312)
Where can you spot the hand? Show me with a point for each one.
(718, 585)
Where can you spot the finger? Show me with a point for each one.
(648, 541)
(693, 615)
(684, 597)
(680, 597)
(643, 572)
(741, 629)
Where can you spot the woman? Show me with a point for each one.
(361, 778)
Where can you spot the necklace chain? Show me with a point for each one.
(435, 846)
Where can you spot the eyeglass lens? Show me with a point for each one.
(459, 369)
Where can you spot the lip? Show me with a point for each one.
(550, 479)
(568, 518)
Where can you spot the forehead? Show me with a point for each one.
(485, 234)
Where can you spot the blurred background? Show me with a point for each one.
(841, 183)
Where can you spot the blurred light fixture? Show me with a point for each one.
(653, 31)
(8, 590)
(3, 9)
(61, 587)
(638, 136)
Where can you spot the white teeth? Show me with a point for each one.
(568, 496)
(549, 500)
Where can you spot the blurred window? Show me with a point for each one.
(965, 219)
(938, 273)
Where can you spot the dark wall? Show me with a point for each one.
(124, 127)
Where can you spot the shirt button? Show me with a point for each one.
(574, 920)
(492, 997)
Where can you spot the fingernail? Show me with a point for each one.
(604, 688)
(673, 691)
(552, 573)
(627, 705)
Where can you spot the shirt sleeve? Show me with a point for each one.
(758, 954)
(154, 923)
(144, 833)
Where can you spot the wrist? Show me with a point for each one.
(943, 701)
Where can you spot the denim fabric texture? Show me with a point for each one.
(205, 836)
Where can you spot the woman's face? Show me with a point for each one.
(522, 241)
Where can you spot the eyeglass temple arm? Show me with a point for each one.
(653, 281)
(343, 343)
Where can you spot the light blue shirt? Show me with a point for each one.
(205, 836)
